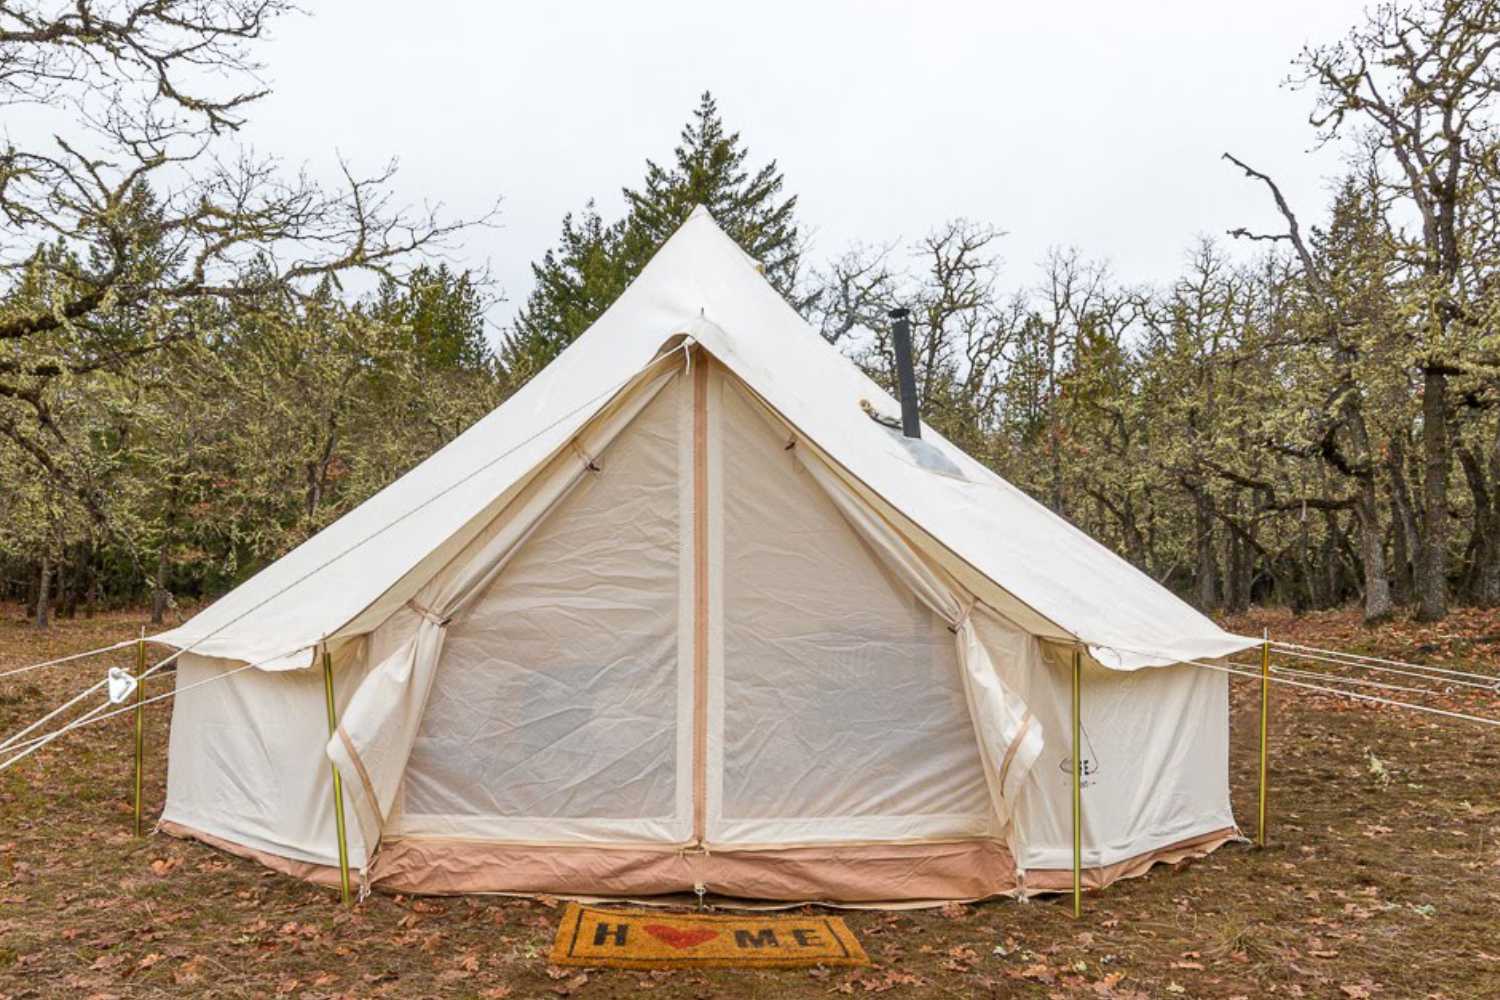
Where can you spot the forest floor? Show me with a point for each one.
(1382, 878)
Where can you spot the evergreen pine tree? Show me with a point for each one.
(709, 170)
(575, 283)
(441, 313)
(594, 261)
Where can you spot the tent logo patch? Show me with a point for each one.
(652, 939)
(1087, 769)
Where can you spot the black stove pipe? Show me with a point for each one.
(906, 375)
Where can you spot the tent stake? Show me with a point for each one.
(1265, 714)
(338, 784)
(1077, 784)
(140, 723)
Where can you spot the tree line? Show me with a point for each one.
(1305, 415)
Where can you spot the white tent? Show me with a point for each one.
(682, 614)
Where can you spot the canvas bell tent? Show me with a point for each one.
(681, 614)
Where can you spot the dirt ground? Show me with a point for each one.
(1382, 879)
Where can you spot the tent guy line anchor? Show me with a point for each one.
(122, 684)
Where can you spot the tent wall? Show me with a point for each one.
(1155, 741)
(564, 702)
(245, 756)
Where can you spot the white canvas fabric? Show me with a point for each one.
(555, 712)
(376, 732)
(843, 713)
(245, 756)
(1016, 555)
(681, 591)
(555, 707)
(1155, 753)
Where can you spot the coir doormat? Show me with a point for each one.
(651, 939)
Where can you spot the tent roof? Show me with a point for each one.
(1024, 560)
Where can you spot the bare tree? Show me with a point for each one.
(1417, 83)
(125, 227)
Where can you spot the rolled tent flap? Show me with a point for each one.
(375, 736)
(1010, 741)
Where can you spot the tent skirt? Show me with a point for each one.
(856, 873)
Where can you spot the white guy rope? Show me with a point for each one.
(37, 742)
(1492, 685)
(54, 713)
(10, 742)
(27, 747)
(1375, 699)
(33, 745)
(1335, 679)
(1347, 657)
(68, 659)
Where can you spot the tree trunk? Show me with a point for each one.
(159, 590)
(1432, 562)
(1328, 556)
(1207, 583)
(1238, 558)
(1480, 578)
(1307, 579)
(1405, 543)
(1372, 553)
(91, 595)
(44, 591)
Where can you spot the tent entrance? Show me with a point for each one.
(836, 704)
(695, 648)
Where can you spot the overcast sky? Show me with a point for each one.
(1095, 123)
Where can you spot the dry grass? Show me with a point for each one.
(1382, 880)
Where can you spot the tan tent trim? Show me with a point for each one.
(861, 873)
(305, 870)
(1039, 880)
(964, 870)
(700, 596)
(1027, 721)
(359, 766)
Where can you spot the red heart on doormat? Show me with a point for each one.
(680, 938)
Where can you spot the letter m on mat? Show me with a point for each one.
(764, 938)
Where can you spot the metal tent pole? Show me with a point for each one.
(338, 783)
(1077, 783)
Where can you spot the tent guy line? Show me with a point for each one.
(1374, 699)
(67, 659)
(11, 740)
(36, 743)
(1492, 684)
(1359, 681)
(1491, 679)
